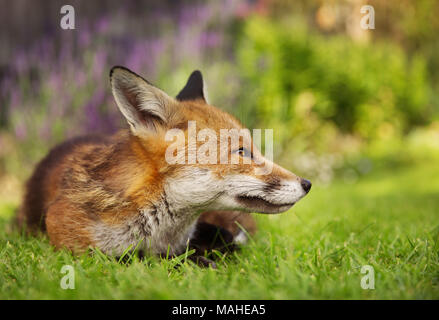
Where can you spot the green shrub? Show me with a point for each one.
(319, 92)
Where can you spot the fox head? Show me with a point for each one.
(181, 143)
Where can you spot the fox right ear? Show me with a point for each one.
(144, 106)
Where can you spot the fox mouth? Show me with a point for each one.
(260, 205)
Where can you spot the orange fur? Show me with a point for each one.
(92, 191)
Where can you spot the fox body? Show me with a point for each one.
(120, 191)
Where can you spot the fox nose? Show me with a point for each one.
(306, 185)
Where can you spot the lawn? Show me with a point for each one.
(388, 219)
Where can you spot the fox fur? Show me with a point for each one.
(112, 192)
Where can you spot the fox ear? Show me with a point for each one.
(194, 88)
(144, 106)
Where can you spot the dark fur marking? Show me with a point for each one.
(144, 224)
(145, 229)
(168, 210)
(155, 215)
(272, 184)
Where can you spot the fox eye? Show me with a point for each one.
(243, 152)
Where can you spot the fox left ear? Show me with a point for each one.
(145, 107)
(194, 88)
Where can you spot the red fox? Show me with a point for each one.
(120, 191)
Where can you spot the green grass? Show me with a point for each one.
(389, 220)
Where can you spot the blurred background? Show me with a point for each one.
(342, 101)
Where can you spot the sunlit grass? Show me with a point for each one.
(388, 219)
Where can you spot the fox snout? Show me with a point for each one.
(306, 184)
(275, 193)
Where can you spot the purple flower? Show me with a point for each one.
(210, 39)
(84, 37)
(100, 62)
(20, 131)
(103, 24)
(91, 111)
